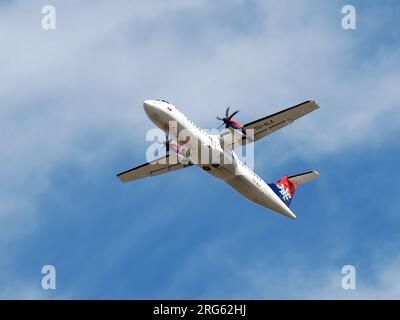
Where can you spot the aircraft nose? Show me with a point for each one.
(149, 106)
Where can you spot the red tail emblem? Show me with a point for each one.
(287, 188)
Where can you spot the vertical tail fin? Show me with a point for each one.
(286, 187)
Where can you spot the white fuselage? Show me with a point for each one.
(204, 148)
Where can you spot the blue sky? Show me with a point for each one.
(71, 118)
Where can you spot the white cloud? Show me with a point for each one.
(292, 275)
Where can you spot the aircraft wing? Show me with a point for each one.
(269, 124)
(156, 167)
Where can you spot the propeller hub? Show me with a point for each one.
(227, 119)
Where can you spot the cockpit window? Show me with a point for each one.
(163, 101)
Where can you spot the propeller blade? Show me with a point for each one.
(221, 125)
(165, 144)
(227, 119)
(159, 150)
(231, 116)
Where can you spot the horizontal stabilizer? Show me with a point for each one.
(303, 177)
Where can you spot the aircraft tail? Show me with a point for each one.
(286, 187)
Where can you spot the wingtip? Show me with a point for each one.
(316, 173)
(118, 176)
(315, 103)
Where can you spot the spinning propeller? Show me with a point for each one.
(165, 143)
(227, 120)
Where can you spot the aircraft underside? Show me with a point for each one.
(214, 153)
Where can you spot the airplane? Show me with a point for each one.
(275, 196)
